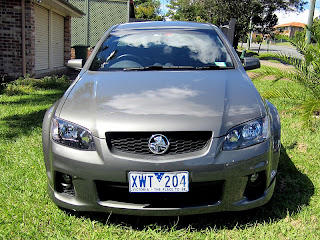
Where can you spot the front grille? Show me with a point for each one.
(206, 193)
(137, 143)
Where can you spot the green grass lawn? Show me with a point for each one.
(26, 212)
(285, 44)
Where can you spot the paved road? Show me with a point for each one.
(274, 49)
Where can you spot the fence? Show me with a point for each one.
(100, 16)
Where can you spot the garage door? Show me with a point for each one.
(41, 19)
(57, 40)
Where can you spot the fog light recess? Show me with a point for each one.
(256, 185)
(64, 184)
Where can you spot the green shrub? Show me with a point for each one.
(53, 82)
(14, 88)
(28, 85)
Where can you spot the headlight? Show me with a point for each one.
(247, 134)
(72, 135)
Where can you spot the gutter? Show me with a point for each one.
(70, 7)
(62, 6)
(65, 7)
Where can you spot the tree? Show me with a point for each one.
(218, 12)
(148, 9)
(265, 20)
(188, 10)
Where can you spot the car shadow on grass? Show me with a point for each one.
(293, 190)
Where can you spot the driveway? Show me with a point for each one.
(273, 49)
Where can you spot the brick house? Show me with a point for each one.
(35, 36)
(289, 29)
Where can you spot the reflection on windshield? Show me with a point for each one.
(201, 48)
(162, 48)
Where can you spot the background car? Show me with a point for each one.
(162, 120)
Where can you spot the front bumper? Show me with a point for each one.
(230, 168)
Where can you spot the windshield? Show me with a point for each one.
(162, 49)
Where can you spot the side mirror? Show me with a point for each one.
(75, 64)
(250, 63)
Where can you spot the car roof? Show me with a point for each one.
(163, 24)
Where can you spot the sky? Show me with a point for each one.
(298, 17)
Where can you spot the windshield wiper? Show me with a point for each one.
(160, 67)
(157, 67)
(213, 67)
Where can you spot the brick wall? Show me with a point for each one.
(11, 38)
(30, 37)
(67, 39)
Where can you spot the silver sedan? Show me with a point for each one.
(162, 120)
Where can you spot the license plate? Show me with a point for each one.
(153, 182)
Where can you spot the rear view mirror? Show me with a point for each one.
(250, 63)
(75, 64)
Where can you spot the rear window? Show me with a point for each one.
(124, 50)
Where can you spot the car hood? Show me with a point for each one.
(159, 101)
